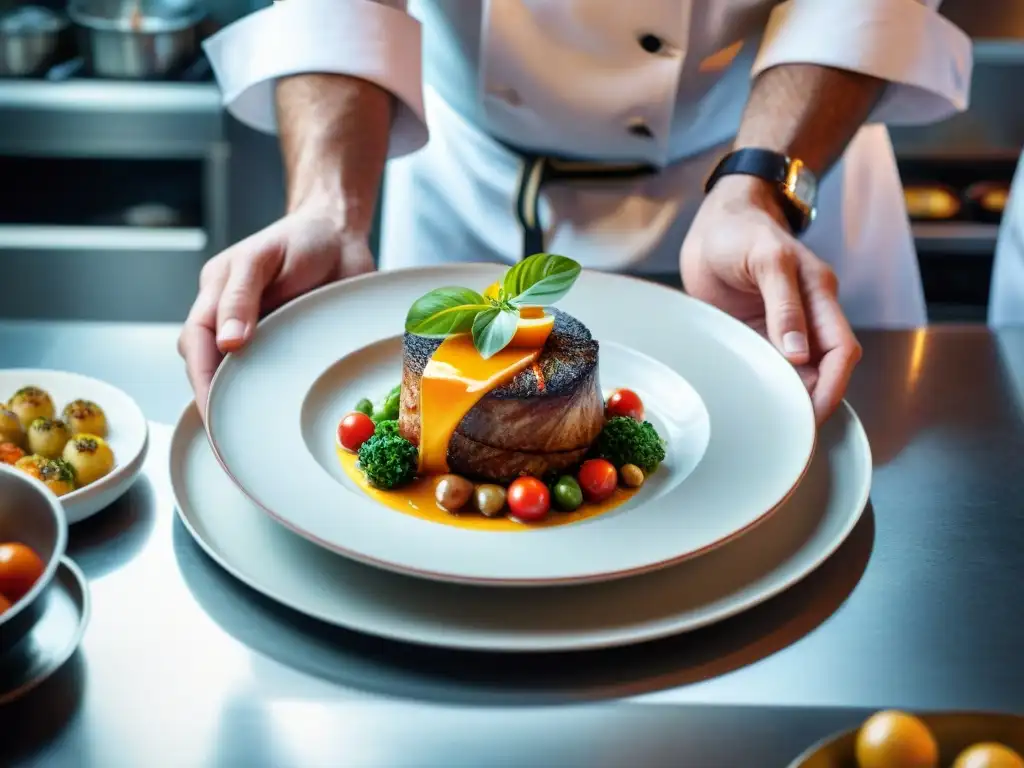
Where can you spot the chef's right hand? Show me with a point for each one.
(302, 251)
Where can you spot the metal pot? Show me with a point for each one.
(136, 40)
(29, 40)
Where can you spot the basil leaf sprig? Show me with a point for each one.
(539, 280)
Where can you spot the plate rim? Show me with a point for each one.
(179, 439)
(122, 474)
(523, 582)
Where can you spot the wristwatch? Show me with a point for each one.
(796, 183)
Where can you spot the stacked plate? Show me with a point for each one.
(750, 499)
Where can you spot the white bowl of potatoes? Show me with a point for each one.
(84, 439)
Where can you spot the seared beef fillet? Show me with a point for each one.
(541, 421)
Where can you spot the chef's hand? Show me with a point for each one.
(740, 256)
(300, 252)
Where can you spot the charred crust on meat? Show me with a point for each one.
(569, 355)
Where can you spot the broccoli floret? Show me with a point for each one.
(628, 441)
(387, 459)
(388, 427)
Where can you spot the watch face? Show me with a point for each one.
(806, 187)
(802, 186)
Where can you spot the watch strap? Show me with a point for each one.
(764, 164)
(750, 161)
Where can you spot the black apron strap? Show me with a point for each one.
(531, 182)
(536, 170)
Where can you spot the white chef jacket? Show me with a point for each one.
(1006, 300)
(661, 82)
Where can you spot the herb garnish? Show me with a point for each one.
(539, 280)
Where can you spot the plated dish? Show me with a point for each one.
(499, 418)
(736, 421)
(894, 739)
(312, 580)
(82, 438)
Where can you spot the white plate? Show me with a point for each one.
(808, 528)
(128, 432)
(273, 410)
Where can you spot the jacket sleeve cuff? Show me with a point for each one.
(358, 38)
(925, 58)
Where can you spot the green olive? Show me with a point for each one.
(567, 493)
(365, 406)
(453, 492)
(489, 499)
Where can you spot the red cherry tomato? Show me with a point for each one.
(355, 429)
(529, 499)
(625, 402)
(598, 479)
(20, 567)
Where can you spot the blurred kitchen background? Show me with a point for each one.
(120, 175)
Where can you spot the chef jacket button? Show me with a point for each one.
(638, 127)
(651, 43)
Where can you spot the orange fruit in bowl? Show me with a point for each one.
(892, 739)
(988, 755)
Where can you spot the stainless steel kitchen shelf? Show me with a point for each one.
(137, 239)
(99, 273)
(1008, 52)
(956, 237)
(100, 118)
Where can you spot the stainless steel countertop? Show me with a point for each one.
(181, 666)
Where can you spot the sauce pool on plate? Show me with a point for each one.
(418, 500)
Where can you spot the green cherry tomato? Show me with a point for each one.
(567, 493)
(365, 406)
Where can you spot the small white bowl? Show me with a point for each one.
(29, 515)
(128, 432)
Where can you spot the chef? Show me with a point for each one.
(738, 143)
(1006, 299)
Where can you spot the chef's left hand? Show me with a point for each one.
(740, 256)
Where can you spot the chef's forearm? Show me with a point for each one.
(334, 140)
(807, 111)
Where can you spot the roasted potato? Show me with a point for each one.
(90, 457)
(31, 403)
(84, 417)
(57, 475)
(31, 465)
(47, 437)
(11, 430)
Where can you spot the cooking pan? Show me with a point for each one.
(29, 40)
(136, 39)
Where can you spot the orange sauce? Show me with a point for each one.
(455, 378)
(417, 499)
